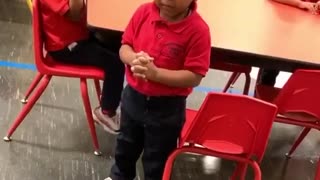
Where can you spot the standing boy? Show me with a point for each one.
(166, 48)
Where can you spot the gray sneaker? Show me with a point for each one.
(109, 124)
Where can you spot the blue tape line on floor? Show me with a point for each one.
(27, 66)
(17, 65)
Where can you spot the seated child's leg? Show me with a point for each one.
(112, 85)
(90, 52)
(111, 92)
(269, 76)
(97, 55)
(114, 68)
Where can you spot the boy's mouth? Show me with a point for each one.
(166, 6)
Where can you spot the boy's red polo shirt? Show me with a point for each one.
(59, 31)
(176, 46)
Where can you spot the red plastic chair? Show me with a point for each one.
(237, 71)
(47, 68)
(297, 102)
(228, 126)
(317, 177)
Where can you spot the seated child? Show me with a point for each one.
(68, 40)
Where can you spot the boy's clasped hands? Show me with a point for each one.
(143, 67)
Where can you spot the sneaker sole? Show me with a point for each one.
(113, 125)
(105, 127)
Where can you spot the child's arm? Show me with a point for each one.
(309, 6)
(75, 9)
(176, 78)
(137, 61)
(295, 3)
(69, 8)
(127, 54)
(173, 78)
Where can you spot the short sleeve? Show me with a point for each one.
(58, 6)
(199, 52)
(128, 35)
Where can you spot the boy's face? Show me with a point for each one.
(173, 8)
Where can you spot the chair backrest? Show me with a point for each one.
(238, 119)
(301, 93)
(38, 42)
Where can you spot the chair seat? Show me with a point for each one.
(298, 116)
(269, 93)
(77, 71)
(223, 147)
(215, 145)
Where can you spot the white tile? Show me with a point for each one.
(281, 79)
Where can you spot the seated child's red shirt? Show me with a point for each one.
(183, 45)
(59, 31)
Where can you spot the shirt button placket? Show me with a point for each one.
(159, 35)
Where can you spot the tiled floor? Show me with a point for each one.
(53, 142)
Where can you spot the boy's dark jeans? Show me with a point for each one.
(151, 125)
(91, 52)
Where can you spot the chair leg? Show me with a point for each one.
(29, 3)
(303, 134)
(26, 109)
(317, 176)
(98, 89)
(33, 84)
(87, 107)
(256, 170)
(233, 78)
(247, 84)
(169, 164)
(257, 82)
(259, 75)
(240, 171)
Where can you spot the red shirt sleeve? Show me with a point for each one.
(57, 6)
(198, 54)
(128, 35)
